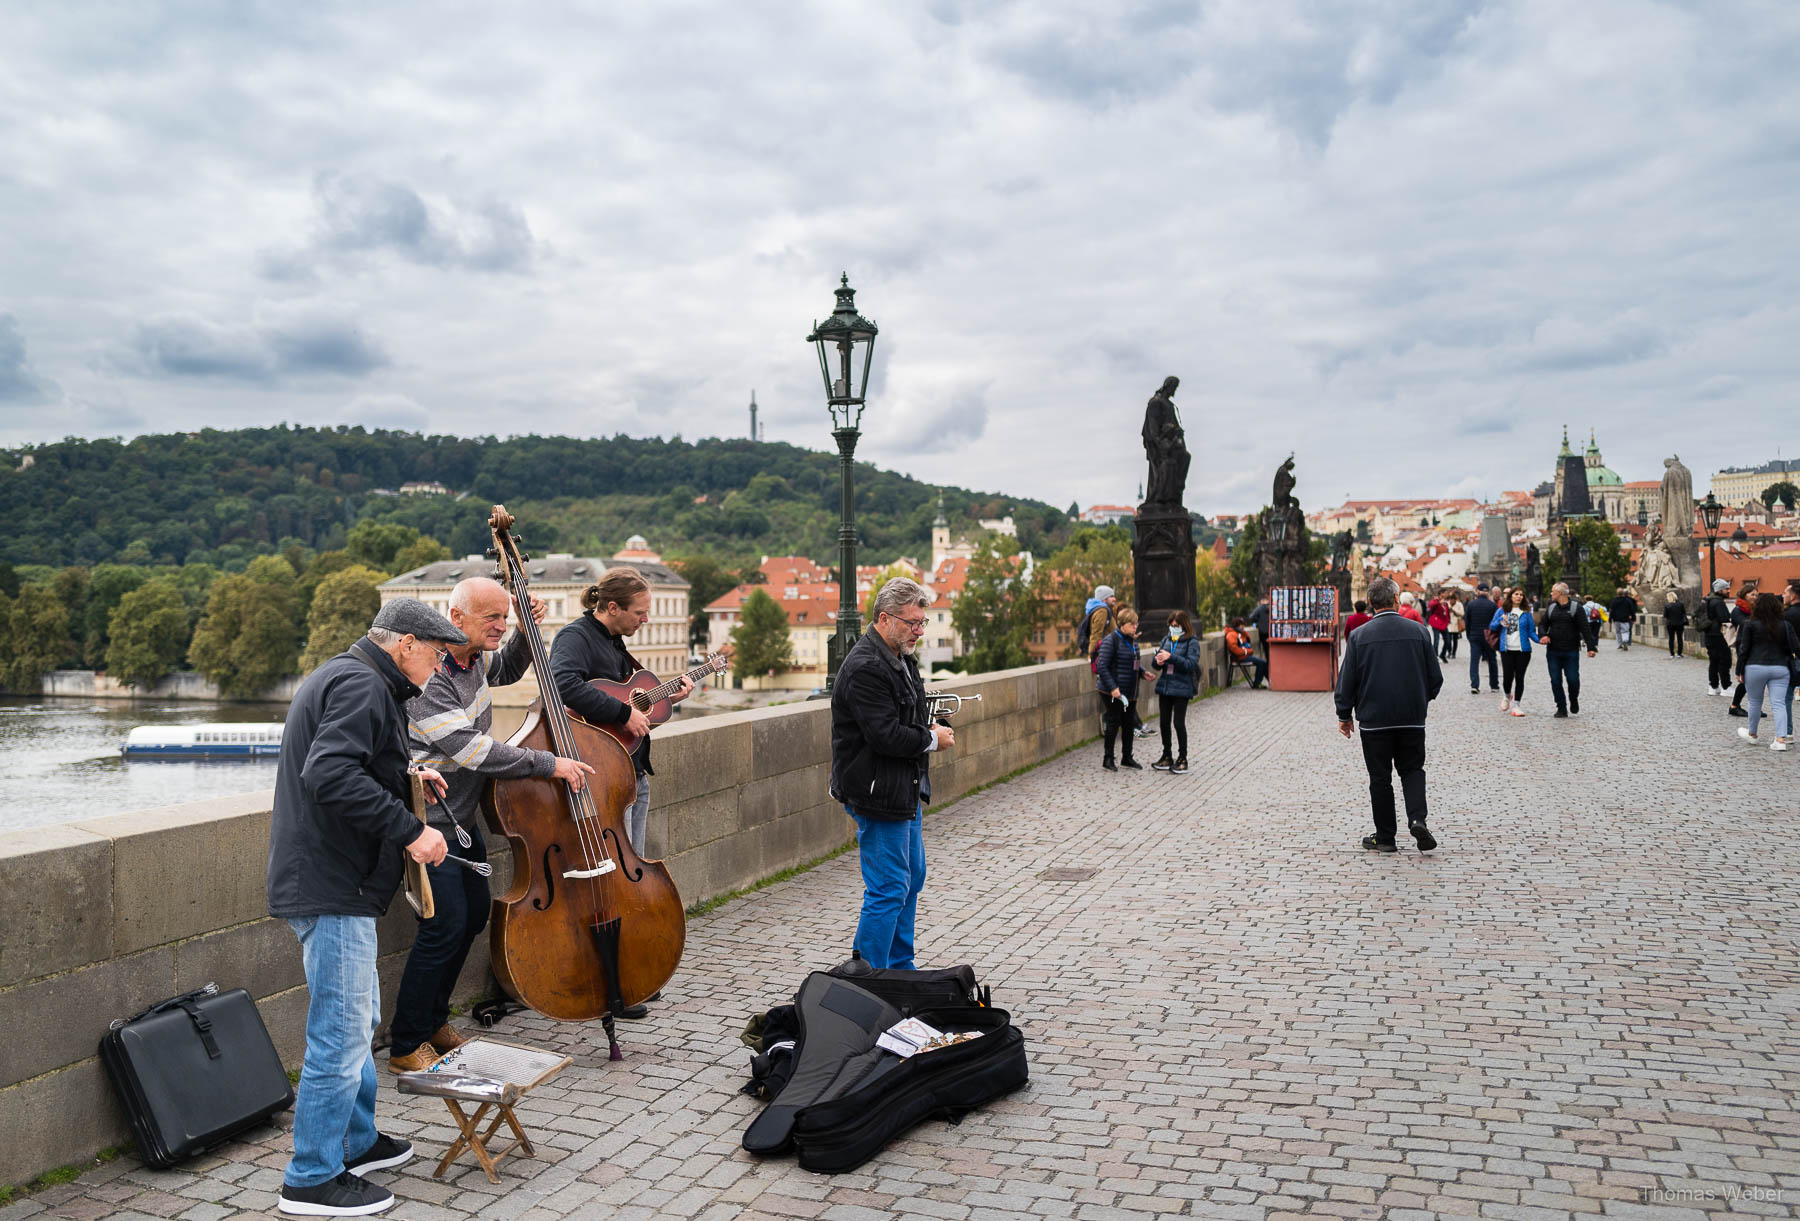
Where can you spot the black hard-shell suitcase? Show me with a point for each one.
(846, 1098)
(194, 1070)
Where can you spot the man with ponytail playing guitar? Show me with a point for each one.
(593, 646)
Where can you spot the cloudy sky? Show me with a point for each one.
(1408, 241)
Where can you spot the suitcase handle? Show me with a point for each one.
(185, 1000)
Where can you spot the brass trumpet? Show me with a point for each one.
(942, 705)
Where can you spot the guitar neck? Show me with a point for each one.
(664, 690)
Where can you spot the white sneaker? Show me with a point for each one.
(1505, 704)
(1518, 711)
(1744, 733)
(1712, 690)
(1778, 744)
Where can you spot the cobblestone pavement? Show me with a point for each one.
(1581, 1004)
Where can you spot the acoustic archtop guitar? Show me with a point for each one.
(650, 696)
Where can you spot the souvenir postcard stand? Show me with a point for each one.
(489, 1075)
(1303, 637)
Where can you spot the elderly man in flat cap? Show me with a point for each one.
(342, 820)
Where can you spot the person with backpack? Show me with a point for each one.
(1091, 632)
(1564, 632)
(1717, 612)
(1740, 615)
(1116, 677)
(1178, 657)
(1766, 652)
(1675, 619)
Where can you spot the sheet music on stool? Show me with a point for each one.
(493, 1076)
(520, 1066)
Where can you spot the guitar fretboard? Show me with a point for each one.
(711, 665)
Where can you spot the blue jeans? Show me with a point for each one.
(1778, 682)
(1478, 649)
(637, 818)
(893, 870)
(440, 947)
(334, 1108)
(1562, 664)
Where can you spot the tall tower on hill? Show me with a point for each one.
(753, 435)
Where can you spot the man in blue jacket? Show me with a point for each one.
(1386, 682)
(342, 819)
(881, 740)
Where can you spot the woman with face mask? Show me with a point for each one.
(1178, 657)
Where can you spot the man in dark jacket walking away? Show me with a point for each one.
(342, 818)
(1480, 612)
(881, 740)
(1387, 680)
(1623, 611)
(1564, 631)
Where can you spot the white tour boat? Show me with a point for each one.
(228, 741)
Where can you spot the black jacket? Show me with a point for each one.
(1116, 665)
(1675, 615)
(1477, 615)
(1389, 674)
(1756, 647)
(1624, 609)
(584, 650)
(342, 799)
(1718, 614)
(879, 732)
(1566, 629)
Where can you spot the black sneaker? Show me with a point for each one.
(1575, 705)
(1474, 690)
(1734, 710)
(1163, 764)
(344, 1196)
(1561, 712)
(384, 1154)
(1109, 765)
(1378, 845)
(1180, 767)
(1133, 764)
(1421, 835)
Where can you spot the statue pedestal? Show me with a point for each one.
(1162, 558)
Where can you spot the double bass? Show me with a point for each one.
(587, 928)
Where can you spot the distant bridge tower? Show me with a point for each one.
(753, 435)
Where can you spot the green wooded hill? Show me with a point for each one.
(224, 497)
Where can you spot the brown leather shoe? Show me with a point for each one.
(418, 1060)
(446, 1039)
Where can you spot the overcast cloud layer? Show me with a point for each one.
(1408, 241)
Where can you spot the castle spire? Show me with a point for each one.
(1566, 451)
(940, 521)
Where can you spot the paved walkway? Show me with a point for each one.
(1584, 999)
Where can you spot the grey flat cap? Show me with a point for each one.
(411, 617)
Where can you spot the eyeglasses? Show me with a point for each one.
(917, 625)
(438, 650)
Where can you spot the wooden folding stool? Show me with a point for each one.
(491, 1076)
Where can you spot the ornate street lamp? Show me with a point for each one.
(846, 343)
(1710, 511)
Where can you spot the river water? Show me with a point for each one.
(59, 758)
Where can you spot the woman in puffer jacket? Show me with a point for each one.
(1178, 657)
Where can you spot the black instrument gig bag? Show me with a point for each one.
(194, 1070)
(847, 1098)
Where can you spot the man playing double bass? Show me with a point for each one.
(593, 646)
(449, 723)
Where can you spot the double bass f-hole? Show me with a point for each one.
(636, 875)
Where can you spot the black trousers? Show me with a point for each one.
(1676, 646)
(460, 898)
(1718, 662)
(1395, 750)
(1512, 673)
(1119, 717)
(1174, 711)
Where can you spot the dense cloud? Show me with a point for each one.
(1408, 241)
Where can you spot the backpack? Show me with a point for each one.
(1081, 632)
